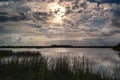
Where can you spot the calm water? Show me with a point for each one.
(107, 57)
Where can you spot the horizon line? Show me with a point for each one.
(57, 46)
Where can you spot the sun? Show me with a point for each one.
(57, 12)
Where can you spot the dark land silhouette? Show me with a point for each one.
(117, 47)
(57, 46)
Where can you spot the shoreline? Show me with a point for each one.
(57, 47)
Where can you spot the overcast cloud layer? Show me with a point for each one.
(93, 22)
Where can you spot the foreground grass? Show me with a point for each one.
(33, 66)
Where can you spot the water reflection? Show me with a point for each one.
(108, 58)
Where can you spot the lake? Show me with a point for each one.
(106, 57)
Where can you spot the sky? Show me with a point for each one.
(48, 22)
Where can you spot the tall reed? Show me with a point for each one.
(34, 66)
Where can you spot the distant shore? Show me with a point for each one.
(57, 46)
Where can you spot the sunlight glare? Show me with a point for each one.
(57, 12)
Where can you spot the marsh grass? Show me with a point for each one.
(34, 66)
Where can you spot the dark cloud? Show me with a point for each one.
(40, 16)
(106, 1)
(116, 22)
(9, 0)
(117, 12)
(4, 0)
(5, 18)
(116, 18)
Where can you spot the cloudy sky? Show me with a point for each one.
(47, 22)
